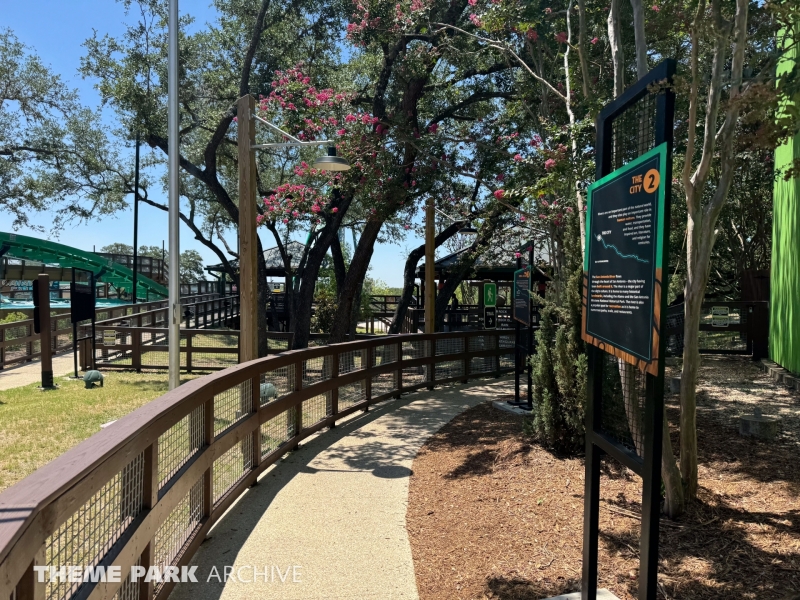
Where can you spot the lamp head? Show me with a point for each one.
(331, 162)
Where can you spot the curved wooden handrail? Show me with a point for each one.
(126, 456)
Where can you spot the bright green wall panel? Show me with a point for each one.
(784, 335)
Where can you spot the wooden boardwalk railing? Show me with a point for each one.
(146, 490)
(19, 343)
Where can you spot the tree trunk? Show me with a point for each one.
(308, 278)
(359, 266)
(409, 275)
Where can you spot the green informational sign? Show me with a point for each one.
(490, 294)
(625, 237)
(521, 310)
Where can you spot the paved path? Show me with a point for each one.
(335, 508)
(32, 372)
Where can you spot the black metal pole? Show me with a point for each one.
(530, 328)
(136, 221)
(516, 340)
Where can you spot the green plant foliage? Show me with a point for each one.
(559, 364)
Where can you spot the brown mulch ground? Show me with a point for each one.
(493, 515)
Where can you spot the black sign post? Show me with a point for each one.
(82, 308)
(627, 235)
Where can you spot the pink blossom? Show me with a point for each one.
(532, 35)
(518, 157)
(517, 255)
(335, 209)
(407, 226)
(472, 2)
(259, 219)
(499, 194)
(561, 37)
(285, 221)
(341, 131)
(522, 218)
(433, 128)
(548, 10)
(595, 40)
(655, 8)
(569, 209)
(351, 118)
(475, 20)
(235, 119)
(542, 216)
(549, 164)
(500, 176)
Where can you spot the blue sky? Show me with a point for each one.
(56, 31)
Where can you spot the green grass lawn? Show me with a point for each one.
(36, 426)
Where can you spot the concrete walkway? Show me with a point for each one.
(31, 372)
(329, 521)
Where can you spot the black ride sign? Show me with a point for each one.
(623, 260)
(522, 296)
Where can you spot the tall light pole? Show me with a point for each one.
(136, 221)
(174, 287)
(248, 235)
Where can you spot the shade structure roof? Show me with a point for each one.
(496, 265)
(272, 256)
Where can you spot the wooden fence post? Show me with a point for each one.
(150, 497)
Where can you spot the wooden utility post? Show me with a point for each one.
(430, 253)
(248, 237)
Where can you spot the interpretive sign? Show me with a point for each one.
(490, 317)
(522, 297)
(490, 294)
(720, 316)
(623, 260)
(109, 337)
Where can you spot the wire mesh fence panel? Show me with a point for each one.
(384, 354)
(481, 342)
(634, 132)
(276, 343)
(384, 384)
(232, 405)
(88, 534)
(450, 346)
(229, 468)
(350, 361)
(316, 409)
(16, 350)
(622, 403)
(276, 383)
(449, 368)
(482, 364)
(352, 394)
(177, 529)
(277, 431)
(316, 370)
(412, 350)
(129, 590)
(180, 443)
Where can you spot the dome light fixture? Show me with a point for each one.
(331, 162)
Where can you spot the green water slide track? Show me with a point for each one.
(23, 247)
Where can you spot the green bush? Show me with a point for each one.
(559, 364)
(11, 317)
